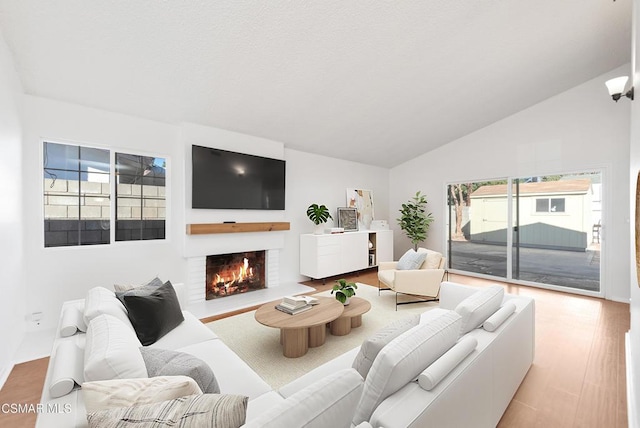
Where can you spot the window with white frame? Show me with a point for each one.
(77, 196)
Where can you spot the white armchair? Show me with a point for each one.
(423, 282)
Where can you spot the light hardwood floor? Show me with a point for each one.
(577, 378)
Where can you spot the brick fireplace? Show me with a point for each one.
(199, 247)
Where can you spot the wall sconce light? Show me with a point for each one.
(616, 88)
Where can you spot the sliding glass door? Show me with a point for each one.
(540, 230)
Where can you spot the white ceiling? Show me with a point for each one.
(378, 82)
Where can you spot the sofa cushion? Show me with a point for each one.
(107, 394)
(237, 377)
(202, 411)
(432, 375)
(402, 360)
(100, 301)
(432, 260)
(153, 311)
(111, 351)
(374, 344)
(411, 260)
(263, 403)
(164, 362)
(500, 316)
(476, 308)
(330, 402)
(191, 331)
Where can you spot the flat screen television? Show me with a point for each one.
(228, 180)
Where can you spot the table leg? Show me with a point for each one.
(356, 321)
(317, 335)
(341, 326)
(295, 342)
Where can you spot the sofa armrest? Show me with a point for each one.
(421, 282)
(387, 265)
(329, 402)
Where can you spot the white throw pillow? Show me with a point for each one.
(500, 316)
(411, 260)
(72, 321)
(112, 351)
(107, 394)
(476, 308)
(329, 402)
(100, 301)
(402, 360)
(66, 369)
(432, 375)
(374, 344)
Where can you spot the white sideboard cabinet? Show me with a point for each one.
(322, 256)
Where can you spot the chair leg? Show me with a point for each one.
(381, 288)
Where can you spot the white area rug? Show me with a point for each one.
(259, 346)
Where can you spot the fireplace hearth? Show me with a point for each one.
(229, 274)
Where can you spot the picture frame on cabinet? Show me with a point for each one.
(362, 200)
(348, 219)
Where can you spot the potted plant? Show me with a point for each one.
(344, 290)
(414, 220)
(318, 214)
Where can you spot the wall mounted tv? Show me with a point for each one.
(230, 180)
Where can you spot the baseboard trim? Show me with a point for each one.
(632, 408)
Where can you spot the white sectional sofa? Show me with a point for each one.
(475, 386)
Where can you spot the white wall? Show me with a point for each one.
(324, 180)
(633, 365)
(580, 129)
(54, 275)
(11, 278)
(310, 178)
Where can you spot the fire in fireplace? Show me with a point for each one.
(229, 274)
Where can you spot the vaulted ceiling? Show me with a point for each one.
(378, 82)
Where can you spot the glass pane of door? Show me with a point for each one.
(478, 227)
(556, 234)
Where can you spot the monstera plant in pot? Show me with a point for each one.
(344, 291)
(319, 215)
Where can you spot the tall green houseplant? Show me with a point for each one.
(414, 219)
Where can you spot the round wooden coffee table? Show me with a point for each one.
(301, 331)
(351, 317)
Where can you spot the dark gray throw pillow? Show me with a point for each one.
(153, 311)
(164, 362)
